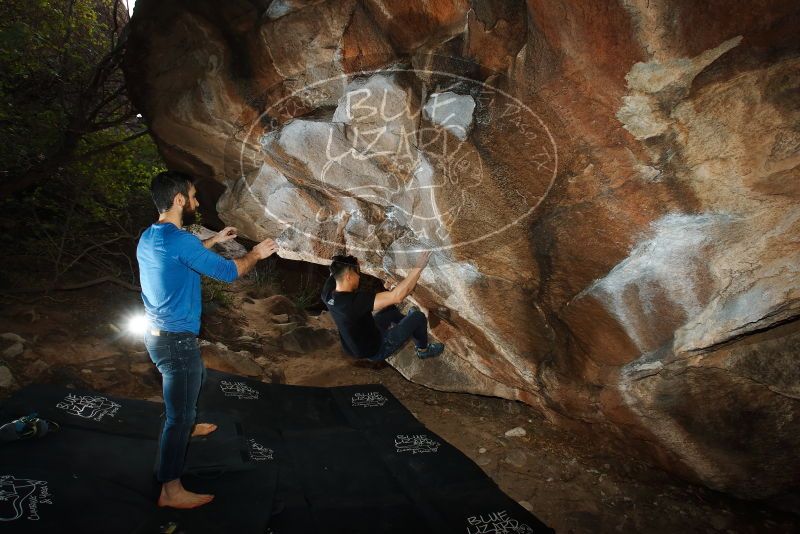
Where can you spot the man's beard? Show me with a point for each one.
(187, 213)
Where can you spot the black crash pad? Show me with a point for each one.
(37, 499)
(284, 460)
(88, 410)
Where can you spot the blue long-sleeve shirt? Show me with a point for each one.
(171, 261)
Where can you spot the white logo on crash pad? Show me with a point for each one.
(240, 390)
(260, 453)
(496, 522)
(368, 400)
(21, 498)
(89, 407)
(415, 443)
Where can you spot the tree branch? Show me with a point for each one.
(110, 146)
(89, 249)
(109, 278)
(81, 285)
(99, 107)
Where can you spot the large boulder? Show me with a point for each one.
(610, 191)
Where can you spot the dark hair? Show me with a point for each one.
(342, 264)
(166, 185)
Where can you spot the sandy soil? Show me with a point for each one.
(570, 483)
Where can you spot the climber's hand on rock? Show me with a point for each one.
(226, 234)
(265, 249)
(422, 259)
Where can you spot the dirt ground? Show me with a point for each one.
(571, 484)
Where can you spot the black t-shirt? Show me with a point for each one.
(352, 313)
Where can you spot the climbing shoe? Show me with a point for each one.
(25, 427)
(433, 349)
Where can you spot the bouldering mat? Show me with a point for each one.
(88, 410)
(37, 499)
(285, 460)
(96, 474)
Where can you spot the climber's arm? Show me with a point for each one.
(404, 288)
(400, 292)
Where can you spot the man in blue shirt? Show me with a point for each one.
(171, 261)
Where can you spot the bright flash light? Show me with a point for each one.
(137, 324)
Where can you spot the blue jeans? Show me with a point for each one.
(397, 328)
(177, 357)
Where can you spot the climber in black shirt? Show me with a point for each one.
(378, 336)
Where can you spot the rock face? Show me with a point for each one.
(610, 191)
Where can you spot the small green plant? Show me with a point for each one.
(265, 278)
(216, 292)
(306, 294)
(197, 224)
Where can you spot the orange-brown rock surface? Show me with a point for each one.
(610, 190)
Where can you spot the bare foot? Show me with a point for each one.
(174, 495)
(203, 429)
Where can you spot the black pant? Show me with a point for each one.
(397, 328)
